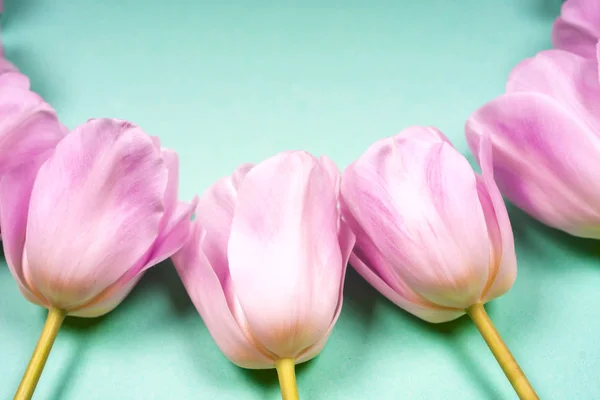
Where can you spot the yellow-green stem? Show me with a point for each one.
(40, 354)
(287, 378)
(507, 362)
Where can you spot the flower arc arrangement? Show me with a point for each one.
(263, 252)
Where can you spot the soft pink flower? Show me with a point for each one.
(545, 133)
(266, 261)
(578, 28)
(103, 208)
(431, 234)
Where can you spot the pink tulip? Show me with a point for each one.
(101, 210)
(545, 133)
(431, 234)
(578, 28)
(266, 260)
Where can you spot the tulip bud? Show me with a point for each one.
(266, 261)
(431, 235)
(545, 133)
(578, 28)
(79, 234)
(101, 210)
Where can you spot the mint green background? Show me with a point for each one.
(225, 82)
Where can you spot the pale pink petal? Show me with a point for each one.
(106, 301)
(15, 192)
(333, 172)
(544, 159)
(215, 214)
(368, 261)
(578, 28)
(566, 77)
(204, 288)
(174, 235)
(503, 263)
(28, 127)
(417, 201)
(429, 313)
(95, 210)
(170, 199)
(176, 220)
(424, 133)
(347, 240)
(284, 257)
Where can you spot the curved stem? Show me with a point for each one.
(507, 362)
(40, 354)
(287, 379)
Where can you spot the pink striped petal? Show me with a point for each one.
(28, 127)
(284, 257)
(417, 201)
(569, 79)
(95, 210)
(371, 264)
(544, 159)
(578, 28)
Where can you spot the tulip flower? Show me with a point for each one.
(266, 260)
(578, 28)
(431, 234)
(545, 135)
(79, 234)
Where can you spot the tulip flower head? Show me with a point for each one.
(578, 28)
(431, 234)
(545, 134)
(102, 208)
(265, 263)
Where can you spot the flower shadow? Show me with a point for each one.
(526, 229)
(361, 299)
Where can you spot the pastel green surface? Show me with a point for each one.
(229, 82)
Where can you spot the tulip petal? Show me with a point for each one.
(215, 213)
(417, 200)
(284, 257)
(578, 28)
(333, 172)
(15, 192)
(503, 263)
(108, 300)
(28, 127)
(205, 290)
(544, 159)
(176, 220)
(566, 77)
(368, 261)
(347, 240)
(95, 210)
